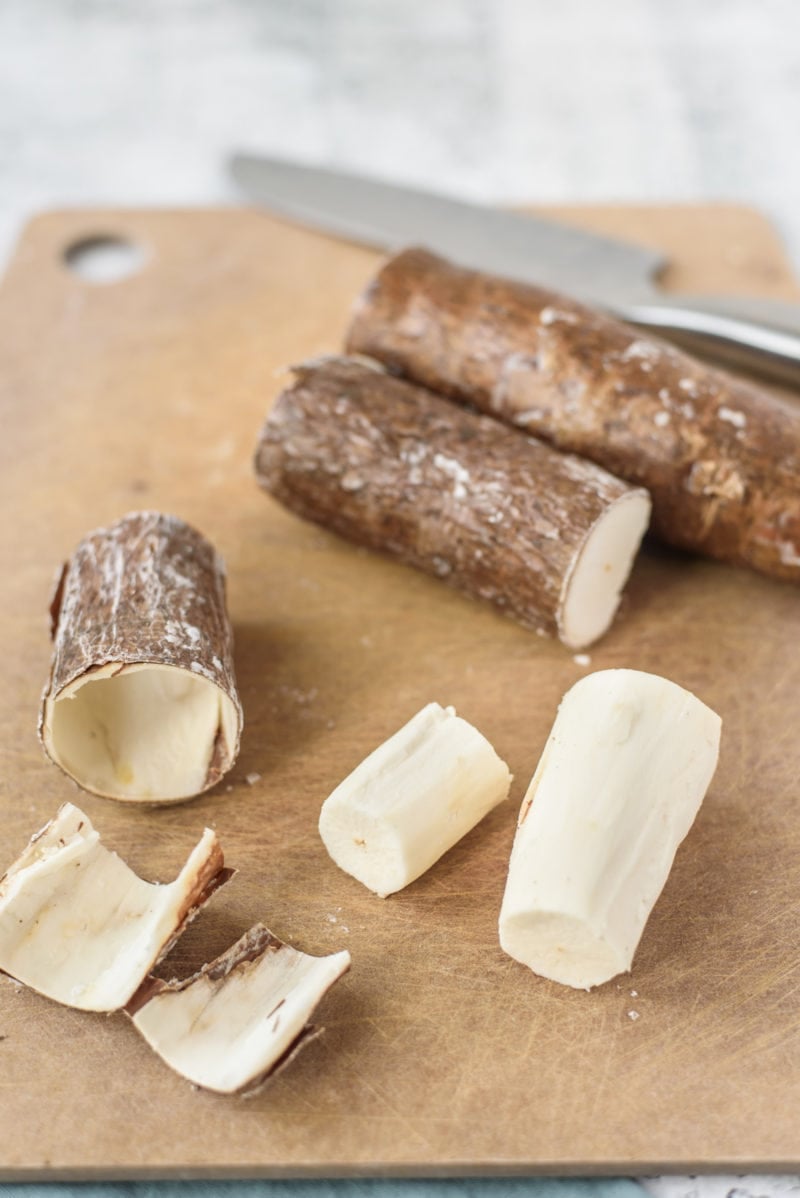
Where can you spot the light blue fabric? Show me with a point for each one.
(538, 1187)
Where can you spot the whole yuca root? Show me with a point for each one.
(546, 537)
(720, 458)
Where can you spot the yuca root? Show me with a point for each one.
(545, 537)
(720, 458)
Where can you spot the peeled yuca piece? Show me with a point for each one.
(141, 703)
(412, 799)
(618, 786)
(242, 1016)
(80, 927)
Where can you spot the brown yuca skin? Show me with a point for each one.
(212, 877)
(720, 457)
(149, 589)
(390, 465)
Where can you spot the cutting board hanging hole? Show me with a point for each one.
(104, 258)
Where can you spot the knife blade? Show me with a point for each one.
(754, 334)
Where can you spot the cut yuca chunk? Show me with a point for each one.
(412, 799)
(242, 1016)
(617, 788)
(79, 926)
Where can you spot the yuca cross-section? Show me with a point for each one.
(546, 537)
(412, 799)
(618, 786)
(719, 456)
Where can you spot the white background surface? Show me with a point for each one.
(139, 102)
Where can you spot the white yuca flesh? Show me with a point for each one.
(227, 1028)
(140, 732)
(412, 799)
(619, 783)
(79, 926)
(593, 587)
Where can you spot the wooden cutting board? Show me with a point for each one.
(441, 1054)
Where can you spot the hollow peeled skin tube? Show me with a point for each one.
(141, 703)
(719, 456)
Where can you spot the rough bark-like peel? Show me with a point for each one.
(141, 703)
(546, 537)
(719, 456)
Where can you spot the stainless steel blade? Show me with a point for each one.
(752, 334)
(597, 269)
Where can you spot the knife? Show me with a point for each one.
(759, 335)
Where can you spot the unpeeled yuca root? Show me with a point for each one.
(619, 782)
(412, 799)
(617, 788)
(141, 703)
(546, 537)
(720, 458)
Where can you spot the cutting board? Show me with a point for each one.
(441, 1055)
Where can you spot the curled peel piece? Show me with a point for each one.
(232, 1025)
(141, 704)
(617, 788)
(79, 926)
(412, 799)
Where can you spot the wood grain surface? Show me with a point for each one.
(441, 1054)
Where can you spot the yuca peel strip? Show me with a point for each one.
(545, 537)
(141, 703)
(79, 926)
(242, 1017)
(720, 457)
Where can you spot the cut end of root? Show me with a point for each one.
(364, 846)
(561, 948)
(142, 732)
(592, 589)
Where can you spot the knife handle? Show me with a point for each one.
(759, 336)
